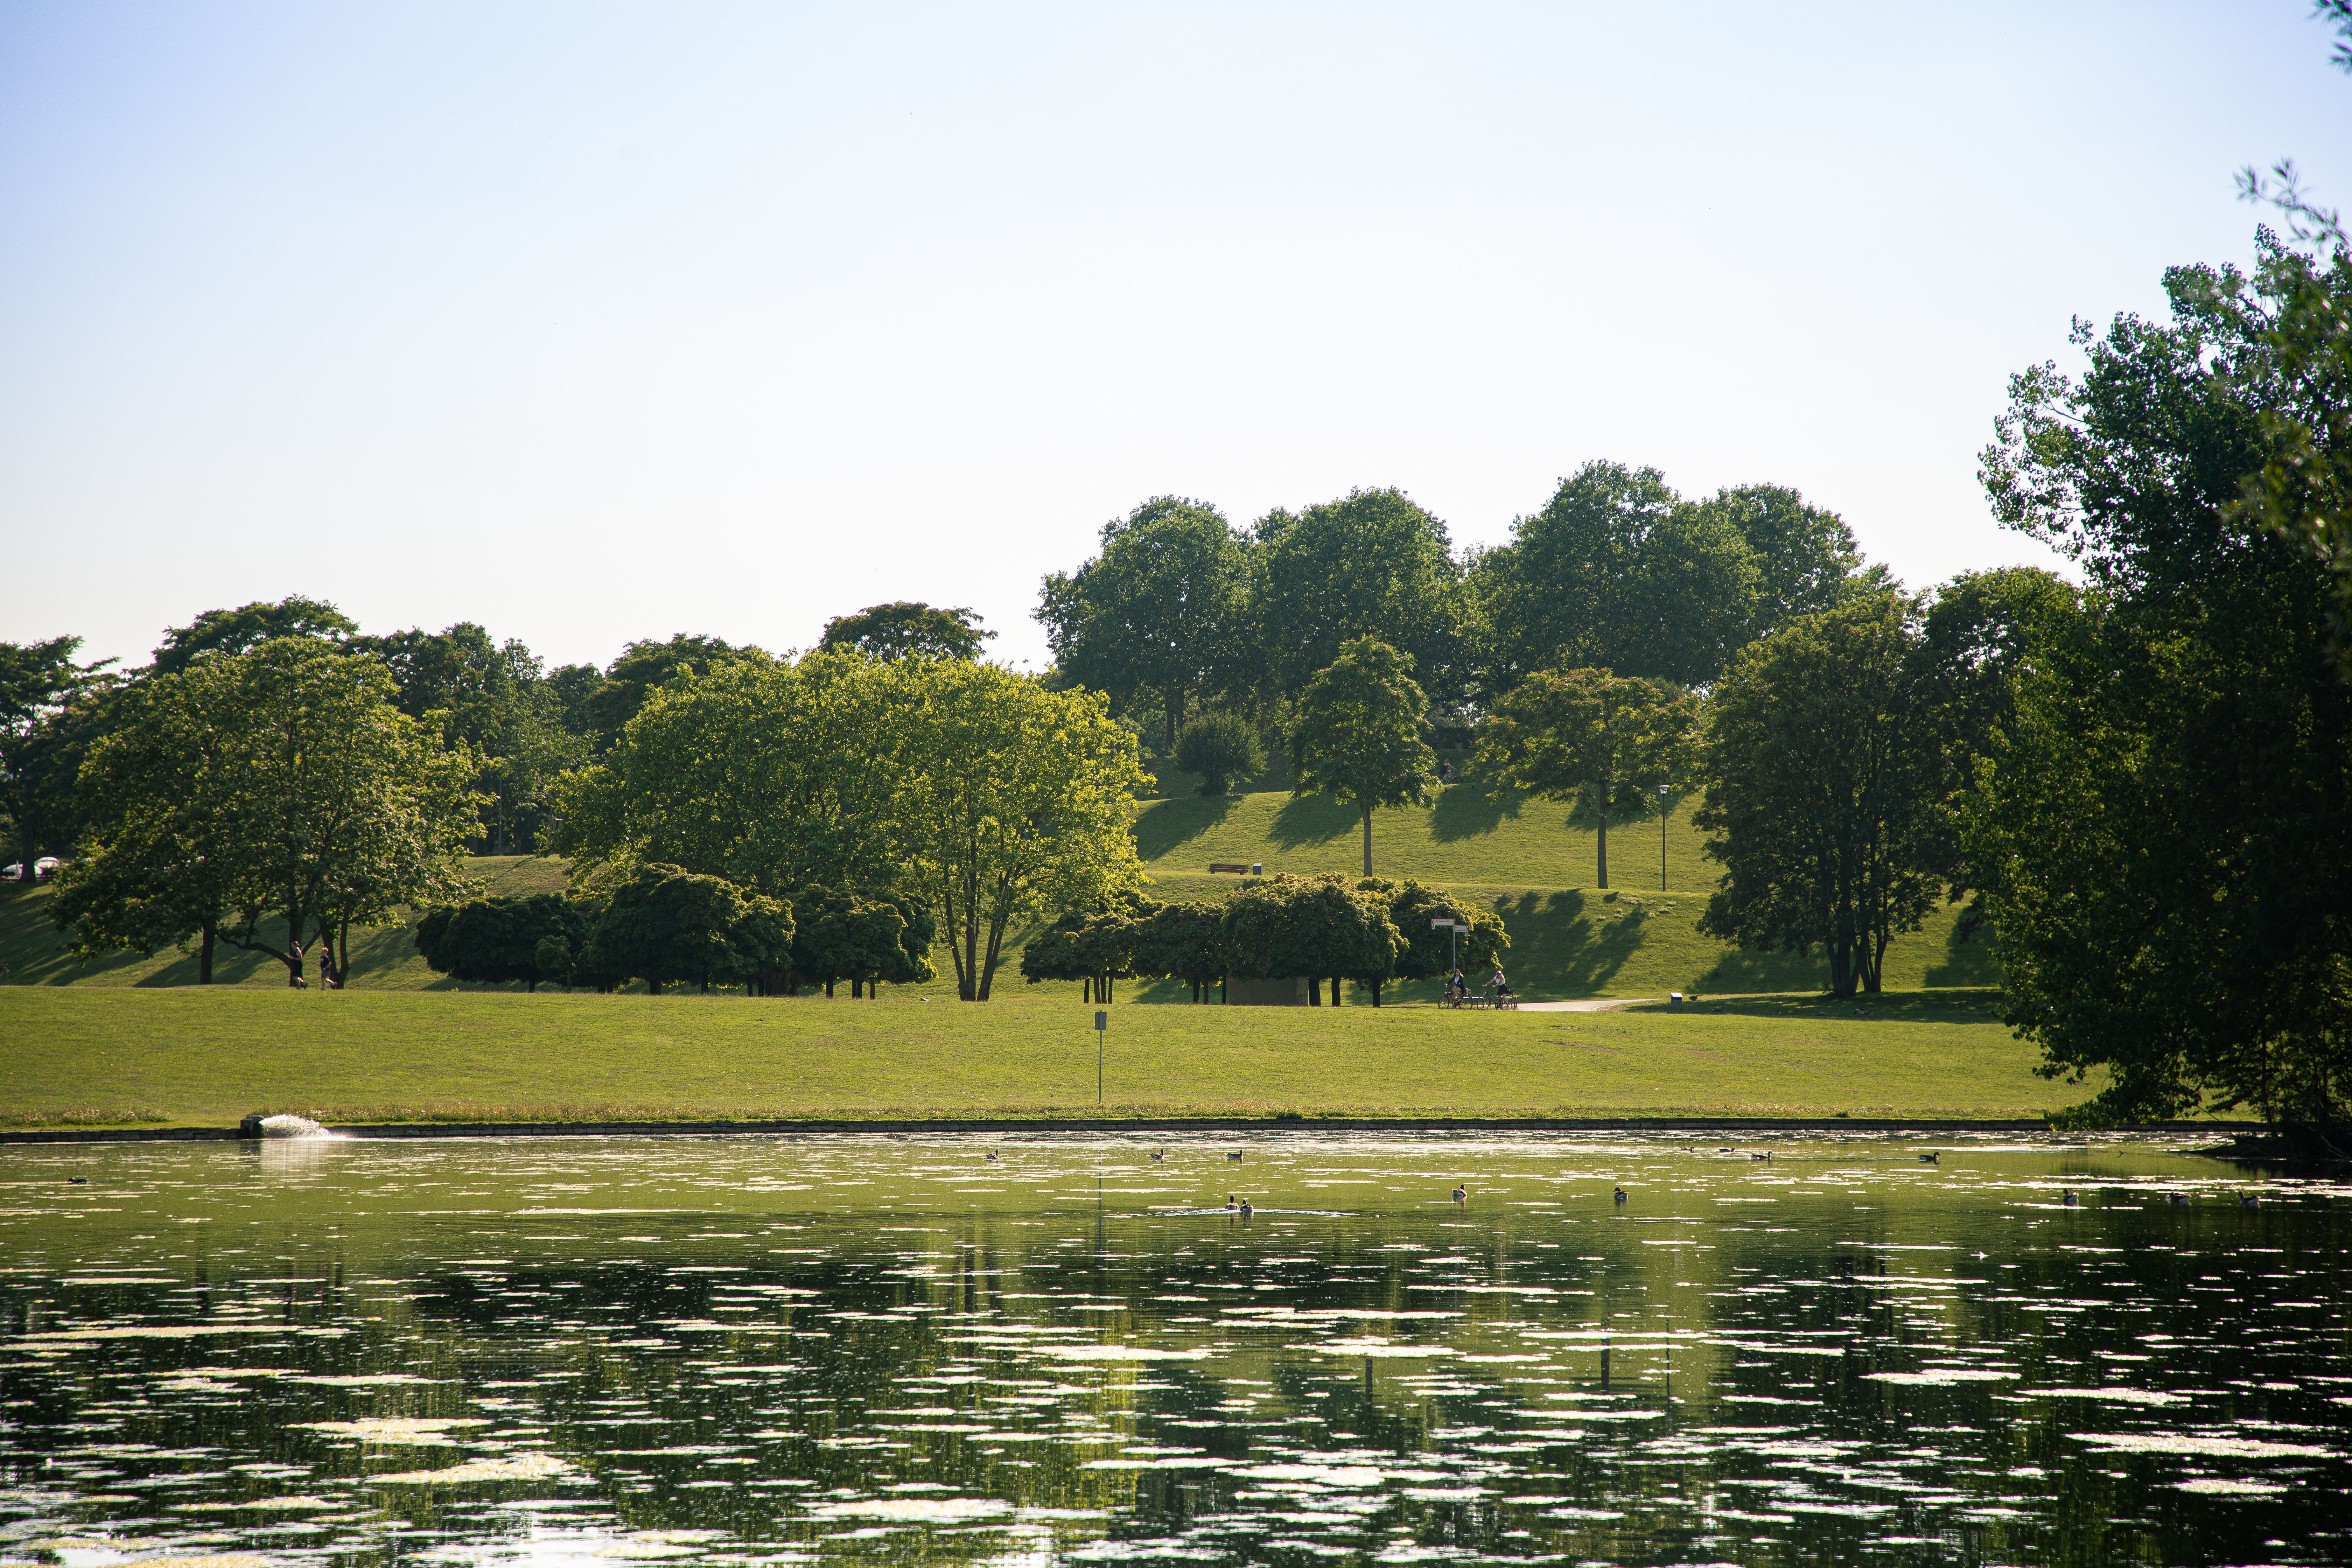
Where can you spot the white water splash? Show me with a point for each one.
(285, 1124)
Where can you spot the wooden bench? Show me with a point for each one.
(1217, 866)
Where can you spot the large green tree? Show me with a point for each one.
(1615, 574)
(1822, 791)
(284, 783)
(1806, 558)
(1009, 800)
(38, 684)
(641, 669)
(1318, 927)
(667, 926)
(2160, 828)
(1374, 564)
(493, 940)
(1603, 741)
(1356, 733)
(1158, 614)
(775, 776)
(906, 628)
(1427, 950)
(247, 627)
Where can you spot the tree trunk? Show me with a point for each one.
(1368, 839)
(343, 951)
(1604, 844)
(653, 987)
(1335, 990)
(1376, 993)
(1175, 716)
(828, 990)
(1314, 991)
(204, 955)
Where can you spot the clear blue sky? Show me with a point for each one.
(592, 322)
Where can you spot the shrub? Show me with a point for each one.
(1218, 747)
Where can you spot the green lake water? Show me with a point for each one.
(778, 1351)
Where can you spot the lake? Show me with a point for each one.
(759, 1351)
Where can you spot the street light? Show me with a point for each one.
(1661, 838)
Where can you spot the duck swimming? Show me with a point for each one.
(1459, 1193)
(1158, 1156)
(1229, 1202)
(1621, 1194)
(1246, 1206)
(1927, 1159)
(2069, 1199)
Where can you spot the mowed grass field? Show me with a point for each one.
(1569, 937)
(84, 1054)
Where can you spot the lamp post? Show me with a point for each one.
(1661, 838)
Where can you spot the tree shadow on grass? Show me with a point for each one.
(1470, 811)
(1168, 827)
(1754, 969)
(1970, 1005)
(1559, 949)
(1976, 962)
(1313, 819)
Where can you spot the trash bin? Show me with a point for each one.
(1673, 1000)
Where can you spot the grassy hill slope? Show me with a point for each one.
(1568, 938)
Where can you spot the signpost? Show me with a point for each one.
(1102, 1022)
(1662, 808)
(1455, 932)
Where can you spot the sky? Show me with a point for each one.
(597, 323)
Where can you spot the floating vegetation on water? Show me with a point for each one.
(845, 1347)
(520, 1468)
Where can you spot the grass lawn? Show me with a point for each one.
(1568, 938)
(87, 1054)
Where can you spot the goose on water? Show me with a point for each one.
(1229, 1202)
(1459, 1193)
(1927, 1159)
(1235, 1155)
(1246, 1206)
(1621, 1194)
(2178, 1197)
(1158, 1156)
(1764, 1155)
(2247, 1200)
(2069, 1199)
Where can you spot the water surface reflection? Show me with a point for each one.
(771, 1351)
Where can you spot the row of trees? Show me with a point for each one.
(1616, 572)
(1372, 931)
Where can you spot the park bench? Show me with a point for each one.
(1237, 869)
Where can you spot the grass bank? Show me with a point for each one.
(207, 1057)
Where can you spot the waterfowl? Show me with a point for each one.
(1459, 1193)
(1927, 1159)
(1725, 1150)
(1246, 1206)
(1621, 1194)
(2177, 1197)
(1763, 1155)
(2247, 1200)
(1158, 1156)
(991, 1156)
(1234, 1156)
(1229, 1202)
(77, 1181)
(2069, 1199)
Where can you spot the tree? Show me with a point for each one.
(1615, 574)
(906, 628)
(643, 666)
(844, 934)
(1184, 941)
(1604, 742)
(271, 799)
(774, 776)
(247, 628)
(1158, 612)
(1356, 735)
(1313, 926)
(1010, 798)
(1373, 564)
(1821, 791)
(498, 940)
(1806, 558)
(1427, 952)
(667, 926)
(2160, 829)
(1218, 746)
(1097, 946)
(37, 684)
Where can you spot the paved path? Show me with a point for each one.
(1589, 1004)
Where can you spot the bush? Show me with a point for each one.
(1218, 747)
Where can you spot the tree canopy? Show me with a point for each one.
(1615, 574)
(1604, 742)
(906, 628)
(1158, 612)
(1356, 733)
(1371, 565)
(667, 926)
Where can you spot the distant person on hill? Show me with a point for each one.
(1500, 986)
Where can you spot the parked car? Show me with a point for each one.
(45, 866)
